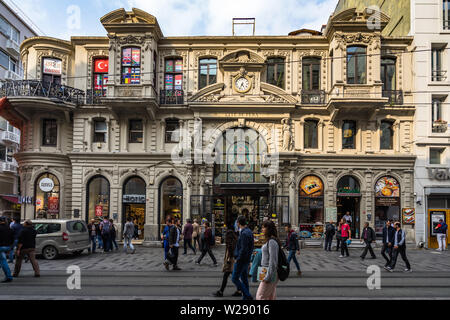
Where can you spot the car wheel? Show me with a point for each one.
(50, 252)
(77, 253)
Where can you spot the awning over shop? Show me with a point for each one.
(12, 199)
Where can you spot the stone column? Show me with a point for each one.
(162, 135)
(59, 135)
(144, 135)
(292, 197)
(320, 135)
(298, 126)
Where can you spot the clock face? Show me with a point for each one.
(242, 84)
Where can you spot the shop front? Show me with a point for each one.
(311, 208)
(170, 201)
(133, 203)
(98, 199)
(47, 194)
(387, 202)
(438, 205)
(349, 200)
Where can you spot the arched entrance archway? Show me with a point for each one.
(98, 198)
(311, 208)
(349, 200)
(47, 193)
(133, 204)
(387, 202)
(170, 201)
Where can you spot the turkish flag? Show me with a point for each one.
(101, 66)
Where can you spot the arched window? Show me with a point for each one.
(47, 193)
(386, 135)
(310, 133)
(207, 72)
(348, 134)
(133, 203)
(311, 73)
(311, 207)
(171, 200)
(275, 71)
(98, 202)
(356, 65)
(131, 65)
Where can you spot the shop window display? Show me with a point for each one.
(171, 200)
(98, 198)
(47, 197)
(311, 207)
(387, 202)
(133, 199)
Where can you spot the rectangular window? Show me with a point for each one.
(136, 131)
(436, 109)
(155, 59)
(311, 74)
(208, 72)
(436, 155)
(356, 65)
(310, 134)
(100, 130)
(52, 70)
(2, 153)
(4, 60)
(348, 135)
(437, 71)
(172, 131)
(446, 14)
(49, 132)
(131, 66)
(388, 74)
(9, 153)
(5, 27)
(173, 74)
(101, 67)
(275, 72)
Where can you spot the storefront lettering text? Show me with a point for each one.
(439, 174)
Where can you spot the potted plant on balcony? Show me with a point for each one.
(439, 125)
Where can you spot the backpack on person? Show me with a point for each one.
(283, 265)
(106, 228)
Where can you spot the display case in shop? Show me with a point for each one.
(311, 231)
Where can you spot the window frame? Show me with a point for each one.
(131, 131)
(123, 66)
(176, 122)
(441, 152)
(391, 128)
(272, 63)
(383, 72)
(44, 123)
(98, 132)
(174, 73)
(311, 145)
(356, 56)
(353, 136)
(208, 73)
(446, 15)
(309, 63)
(104, 81)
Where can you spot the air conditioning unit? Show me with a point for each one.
(13, 48)
(11, 75)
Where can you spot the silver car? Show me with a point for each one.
(56, 237)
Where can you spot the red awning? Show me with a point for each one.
(7, 112)
(13, 199)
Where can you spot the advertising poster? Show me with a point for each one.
(435, 217)
(387, 187)
(409, 215)
(53, 205)
(52, 66)
(98, 211)
(311, 186)
(331, 214)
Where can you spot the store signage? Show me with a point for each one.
(52, 66)
(331, 214)
(409, 215)
(25, 200)
(439, 174)
(311, 186)
(387, 187)
(387, 202)
(133, 198)
(46, 185)
(347, 192)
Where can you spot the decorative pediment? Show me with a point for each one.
(134, 16)
(242, 57)
(274, 94)
(211, 93)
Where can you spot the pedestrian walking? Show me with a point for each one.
(105, 229)
(136, 230)
(128, 232)
(388, 242)
(399, 248)
(267, 289)
(348, 218)
(293, 247)
(196, 234)
(330, 231)
(228, 261)
(16, 227)
(113, 235)
(92, 228)
(99, 235)
(174, 244)
(27, 246)
(6, 242)
(338, 236)
(368, 236)
(346, 234)
(441, 235)
(207, 242)
(242, 254)
(165, 237)
(188, 230)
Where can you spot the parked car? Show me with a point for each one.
(55, 237)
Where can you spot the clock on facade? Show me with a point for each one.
(242, 84)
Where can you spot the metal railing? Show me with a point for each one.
(10, 137)
(313, 97)
(38, 88)
(394, 96)
(171, 97)
(94, 96)
(438, 75)
(8, 167)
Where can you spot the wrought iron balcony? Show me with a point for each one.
(438, 75)
(171, 97)
(8, 167)
(313, 97)
(94, 96)
(7, 136)
(38, 88)
(394, 96)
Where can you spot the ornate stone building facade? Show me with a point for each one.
(298, 128)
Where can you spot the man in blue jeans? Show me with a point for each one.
(243, 253)
(293, 247)
(6, 241)
(16, 227)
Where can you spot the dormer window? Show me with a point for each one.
(52, 70)
(275, 72)
(131, 66)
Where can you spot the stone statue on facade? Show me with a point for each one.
(287, 135)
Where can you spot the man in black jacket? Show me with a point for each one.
(388, 240)
(330, 231)
(293, 247)
(27, 246)
(6, 241)
(174, 244)
(368, 236)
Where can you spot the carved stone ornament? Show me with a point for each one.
(345, 39)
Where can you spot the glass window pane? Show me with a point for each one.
(386, 138)
(98, 198)
(348, 135)
(435, 156)
(49, 136)
(47, 200)
(100, 126)
(4, 60)
(310, 132)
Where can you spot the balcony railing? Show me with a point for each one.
(171, 97)
(438, 75)
(38, 88)
(394, 96)
(10, 137)
(313, 97)
(439, 126)
(94, 96)
(8, 167)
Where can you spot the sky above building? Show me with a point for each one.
(63, 19)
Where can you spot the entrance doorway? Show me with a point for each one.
(349, 200)
(137, 213)
(253, 207)
(133, 202)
